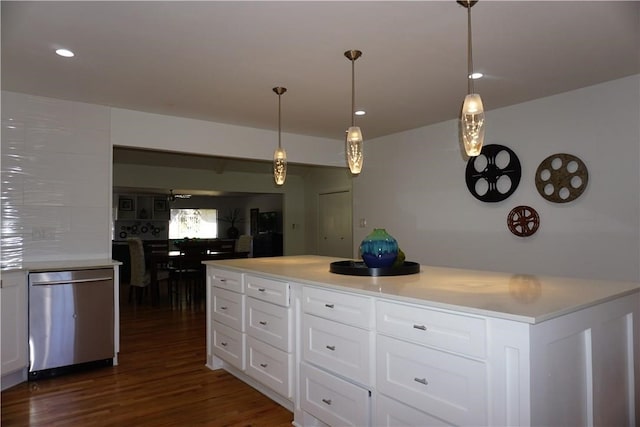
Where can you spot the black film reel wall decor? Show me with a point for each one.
(493, 175)
(561, 178)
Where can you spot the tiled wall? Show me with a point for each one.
(56, 180)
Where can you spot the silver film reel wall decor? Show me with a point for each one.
(561, 178)
(493, 175)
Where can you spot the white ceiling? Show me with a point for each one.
(218, 61)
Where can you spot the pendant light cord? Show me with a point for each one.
(353, 92)
(279, 121)
(469, 50)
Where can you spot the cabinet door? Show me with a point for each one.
(273, 291)
(230, 280)
(270, 323)
(337, 306)
(333, 400)
(343, 349)
(391, 413)
(228, 308)
(447, 386)
(13, 294)
(270, 366)
(229, 345)
(453, 332)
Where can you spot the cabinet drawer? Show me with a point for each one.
(228, 308)
(270, 323)
(269, 290)
(270, 366)
(450, 387)
(462, 334)
(343, 349)
(225, 279)
(332, 400)
(391, 413)
(346, 308)
(228, 345)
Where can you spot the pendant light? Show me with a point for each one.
(354, 135)
(279, 156)
(472, 116)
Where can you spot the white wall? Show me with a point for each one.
(153, 131)
(413, 184)
(56, 180)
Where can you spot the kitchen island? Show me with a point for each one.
(441, 347)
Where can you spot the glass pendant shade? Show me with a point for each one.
(279, 166)
(353, 143)
(472, 124)
(472, 115)
(355, 156)
(279, 156)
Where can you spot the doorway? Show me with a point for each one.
(335, 228)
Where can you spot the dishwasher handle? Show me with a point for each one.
(71, 281)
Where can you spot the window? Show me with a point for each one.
(193, 223)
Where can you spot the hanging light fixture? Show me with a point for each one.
(354, 135)
(173, 197)
(279, 156)
(472, 116)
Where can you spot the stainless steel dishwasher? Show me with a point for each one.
(71, 320)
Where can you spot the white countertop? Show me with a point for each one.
(524, 298)
(64, 265)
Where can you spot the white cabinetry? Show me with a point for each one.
(332, 400)
(251, 331)
(425, 350)
(337, 348)
(445, 330)
(269, 318)
(13, 294)
(225, 315)
(415, 365)
(583, 366)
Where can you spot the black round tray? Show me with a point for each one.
(359, 268)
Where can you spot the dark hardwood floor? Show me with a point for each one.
(161, 380)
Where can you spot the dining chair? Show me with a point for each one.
(243, 244)
(140, 279)
(186, 271)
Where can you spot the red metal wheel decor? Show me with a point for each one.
(523, 221)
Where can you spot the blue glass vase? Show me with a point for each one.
(379, 249)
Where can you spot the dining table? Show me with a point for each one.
(180, 260)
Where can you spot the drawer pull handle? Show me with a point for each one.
(264, 365)
(421, 380)
(329, 305)
(223, 280)
(224, 307)
(261, 289)
(224, 344)
(262, 322)
(421, 327)
(331, 347)
(327, 401)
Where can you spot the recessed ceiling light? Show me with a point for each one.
(360, 113)
(476, 76)
(65, 52)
